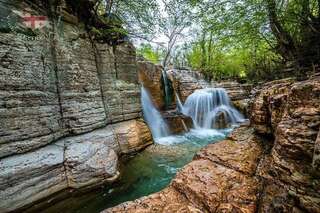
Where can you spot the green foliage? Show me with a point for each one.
(221, 60)
(149, 53)
(229, 38)
(234, 42)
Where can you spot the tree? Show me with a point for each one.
(151, 54)
(177, 16)
(297, 32)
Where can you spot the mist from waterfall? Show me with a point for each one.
(152, 116)
(207, 106)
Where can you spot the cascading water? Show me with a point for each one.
(179, 103)
(152, 116)
(167, 89)
(207, 106)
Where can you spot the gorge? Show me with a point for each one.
(87, 126)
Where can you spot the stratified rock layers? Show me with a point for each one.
(290, 111)
(68, 107)
(251, 171)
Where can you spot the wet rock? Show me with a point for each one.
(132, 135)
(177, 122)
(185, 82)
(235, 90)
(91, 159)
(219, 179)
(243, 106)
(168, 200)
(221, 121)
(150, 76)
(29, 177)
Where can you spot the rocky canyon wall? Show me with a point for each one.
(69, 106)
(271, 165)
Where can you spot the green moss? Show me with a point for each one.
(108, 34)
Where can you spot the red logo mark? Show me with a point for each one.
(34, 22)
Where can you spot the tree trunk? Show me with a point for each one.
(210, 48)
(286, 44)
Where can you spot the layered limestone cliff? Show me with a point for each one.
(69, 106)
(270, 166)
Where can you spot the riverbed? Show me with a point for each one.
(143, 174)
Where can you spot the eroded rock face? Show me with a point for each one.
(64, 84)
(76, 162)
(261, 118)
(185, 82)
(150, 76)
(53, 88)
(291, 112)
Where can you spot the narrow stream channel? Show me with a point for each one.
(146, 173)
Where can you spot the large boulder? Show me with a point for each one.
(29, 177)
(91, 159)
(79, 162)
(132, 135)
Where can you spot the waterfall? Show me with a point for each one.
(209, 106)
(152, 116)
(167, 95)
(179, 103)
